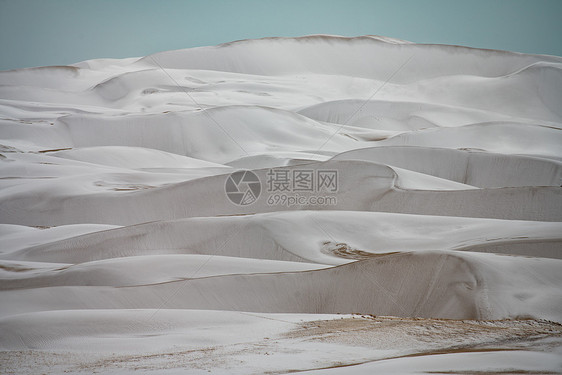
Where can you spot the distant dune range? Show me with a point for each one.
(117, 236)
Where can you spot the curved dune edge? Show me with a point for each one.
(302, 57)
(471, 167)
(423, 284)
(363, 186)
(301, 236)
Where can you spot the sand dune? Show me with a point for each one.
(459, 286)
(393, 115)
(346, 56)
(121, 249)
(505, 138)
(201, 135)
(135, 158)
(472, 167)
(131, 271)
(329, 237)
(363, 186)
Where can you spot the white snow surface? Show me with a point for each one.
(439, 250)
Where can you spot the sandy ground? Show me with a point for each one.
(363, 339)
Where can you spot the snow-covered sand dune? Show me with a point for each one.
(471, 167)
(132, 198)
(123, 244)
(311, 236)
(424, 284)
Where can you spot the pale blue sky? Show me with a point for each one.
(57, 32)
